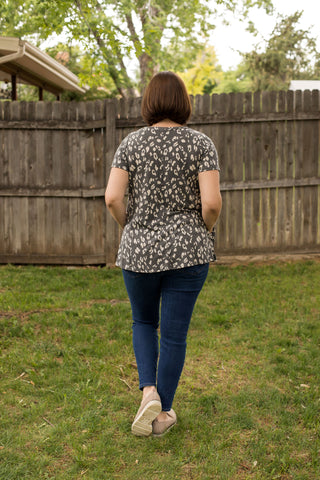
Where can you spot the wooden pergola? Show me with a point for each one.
(21, 62)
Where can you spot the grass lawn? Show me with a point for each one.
(248, 403)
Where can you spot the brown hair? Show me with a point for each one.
(165, 97)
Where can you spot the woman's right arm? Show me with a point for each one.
(115, 193)
(211, 202)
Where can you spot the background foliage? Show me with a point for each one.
(116, 46)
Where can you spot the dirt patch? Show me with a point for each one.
(25, 315)
(266, 259)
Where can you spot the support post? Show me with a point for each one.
(14, 87)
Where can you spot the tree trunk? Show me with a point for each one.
(147, 70)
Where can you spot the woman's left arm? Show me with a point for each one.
(115, 192)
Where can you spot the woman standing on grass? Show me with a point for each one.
(167, 243)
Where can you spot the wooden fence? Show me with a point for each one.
(55, 160)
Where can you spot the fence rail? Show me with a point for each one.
(55, 160)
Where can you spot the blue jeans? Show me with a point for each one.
(177, 291)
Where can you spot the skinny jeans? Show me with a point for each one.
(166, 298)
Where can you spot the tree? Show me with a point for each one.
(290, 53)
(154, 32)
(91, 73)
(205, 74)
(234, 81)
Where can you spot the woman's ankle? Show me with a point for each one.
(147, 390)
(162, 417)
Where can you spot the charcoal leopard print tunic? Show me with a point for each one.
(164, 227)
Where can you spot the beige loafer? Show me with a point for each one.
(149, 409)
(160, 428)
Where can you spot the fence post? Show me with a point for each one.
(111, 228)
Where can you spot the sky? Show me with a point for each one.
(228, 39)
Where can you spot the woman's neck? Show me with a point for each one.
(166, 123)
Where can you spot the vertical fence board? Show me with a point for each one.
(264, 171)
(8, 225)
(253, 199)
(218, 102)
(310, 152)
(298, 170)
(289, 171)
(283, 217)
(272, 173)
(236, 171)
(112, 229)
(247, 160)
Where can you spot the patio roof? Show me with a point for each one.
(304, 85)
(21, 62)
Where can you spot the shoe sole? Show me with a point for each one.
(142, 425)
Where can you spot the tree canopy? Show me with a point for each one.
(290, 54)
(158, 34)
(205, 74)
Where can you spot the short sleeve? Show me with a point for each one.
(209, 156)
(120, 159)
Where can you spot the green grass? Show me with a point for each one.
(248, 403)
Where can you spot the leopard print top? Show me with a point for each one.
(164, 228)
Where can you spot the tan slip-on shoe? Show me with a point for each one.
(149, 409)
(160, 428)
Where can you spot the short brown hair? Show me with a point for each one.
(166, 96)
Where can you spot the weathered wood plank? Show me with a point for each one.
(298, 171)
(252, 173)
(52, 192)
(247, 161)
(310, 168)
(290, 171)
(75, 225)
(46, 259)
(99, 192)
(227, 105)
(221, 230)
(7, 234)
(31, 222)
(137, 122)
(236, 160)
(111, 230)
(270, 229)
(283, 218)
(203, 108)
